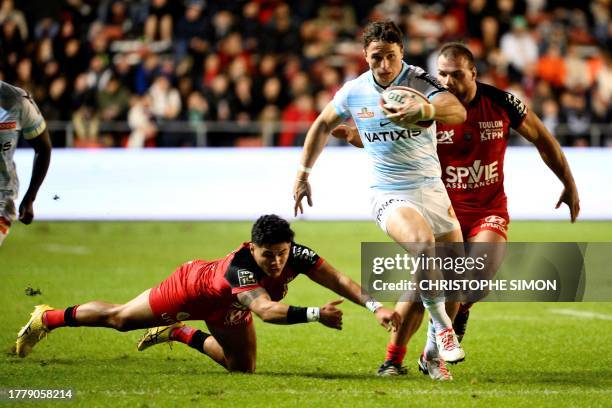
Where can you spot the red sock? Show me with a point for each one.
(54, 318)
(183, 334)
(395, 353)
(57, 318)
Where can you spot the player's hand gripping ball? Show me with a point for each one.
(406, 107)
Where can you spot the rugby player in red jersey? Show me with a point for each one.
(222, 293)
(472, 159)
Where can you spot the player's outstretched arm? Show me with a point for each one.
(329, 277)
(42, 158)
(534, 130)
(258, 301)
(316, 138)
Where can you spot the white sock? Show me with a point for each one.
(437, 311)
(431, 348)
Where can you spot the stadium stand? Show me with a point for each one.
(252, 73)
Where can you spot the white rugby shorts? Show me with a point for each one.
(430, 201)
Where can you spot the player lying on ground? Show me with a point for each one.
(409, 202)
(466, 149)
(222, 293)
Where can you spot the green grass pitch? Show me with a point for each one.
(518, 354)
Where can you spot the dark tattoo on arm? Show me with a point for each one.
(246, 298)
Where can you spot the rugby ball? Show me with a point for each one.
(396, 96)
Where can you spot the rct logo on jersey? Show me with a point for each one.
(246, 278)
(445, 136)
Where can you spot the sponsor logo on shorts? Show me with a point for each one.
(235, 316)
(494, 222)
(384, 206)
(167, 318)
(495, 219)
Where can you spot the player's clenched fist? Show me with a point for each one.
(331, 316)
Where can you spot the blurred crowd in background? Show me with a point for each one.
(247, 73)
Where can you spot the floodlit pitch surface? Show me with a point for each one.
(518, 354)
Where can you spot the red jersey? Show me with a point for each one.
(207, 290)
(472, 153)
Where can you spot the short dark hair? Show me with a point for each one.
(271, 229)
(386, 31)
(456, 50)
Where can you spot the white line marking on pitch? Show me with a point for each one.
(67, 249)
(578, 313)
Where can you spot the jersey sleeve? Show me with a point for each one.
(241, 280)
(32, 122)
(426, 84)
(304, 259)
(242, 273)
(340, 101)
(513, 106)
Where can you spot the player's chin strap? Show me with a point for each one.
(297, 314)
(428, 111)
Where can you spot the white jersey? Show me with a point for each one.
(400, 158)
(19, 115)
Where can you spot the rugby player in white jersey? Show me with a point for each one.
(409, 200)
(19, 115)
